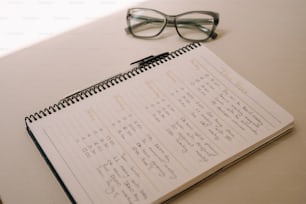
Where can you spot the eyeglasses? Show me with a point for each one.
(193, 26)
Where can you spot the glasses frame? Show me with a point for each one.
(171, 21)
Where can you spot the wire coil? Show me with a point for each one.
(99, 87)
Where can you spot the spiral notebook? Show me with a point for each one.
(150, 133)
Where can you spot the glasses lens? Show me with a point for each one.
(145, 23)
(195, 26)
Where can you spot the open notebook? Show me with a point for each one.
(150, 133)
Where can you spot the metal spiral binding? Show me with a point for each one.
(99, 87)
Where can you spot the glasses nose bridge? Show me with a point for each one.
(171, 19)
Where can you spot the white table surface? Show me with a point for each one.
(263, 40)
(25, 22)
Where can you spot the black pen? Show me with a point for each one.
(150, 58)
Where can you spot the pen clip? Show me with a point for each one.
(150, 58)
(142, 60)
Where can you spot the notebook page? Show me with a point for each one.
(161, 131)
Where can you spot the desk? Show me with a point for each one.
(262, 40)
